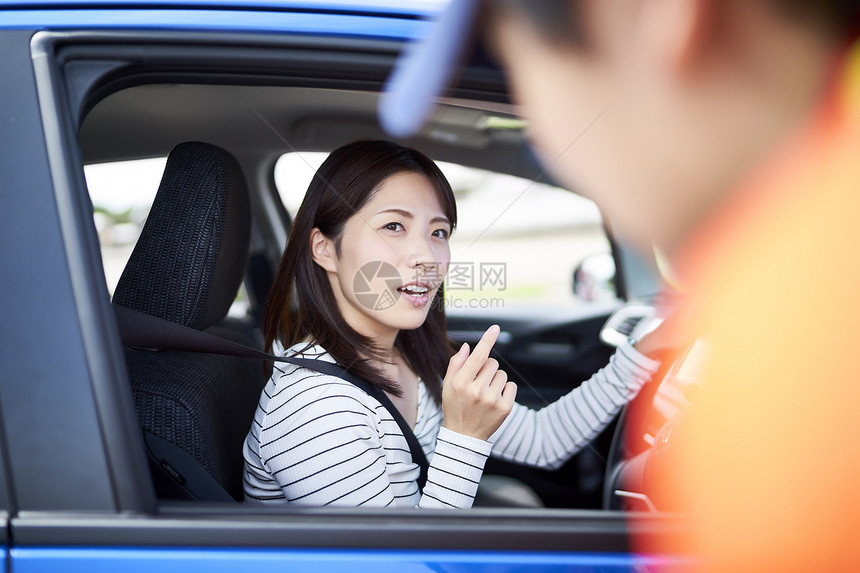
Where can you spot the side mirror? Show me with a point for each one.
(594, 278)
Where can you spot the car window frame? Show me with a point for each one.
(65, 89)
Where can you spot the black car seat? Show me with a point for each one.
(186, 267)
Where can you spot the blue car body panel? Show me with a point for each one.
(229, 21)
(391, 20)
(397, 7)
(373, 19)
(133, 559)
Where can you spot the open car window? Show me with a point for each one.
(536, 233)
(121, 193)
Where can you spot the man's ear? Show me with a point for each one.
(323, 251)
(677, 32)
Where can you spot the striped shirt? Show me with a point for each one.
(319, 440)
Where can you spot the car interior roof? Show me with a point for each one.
(263, 121)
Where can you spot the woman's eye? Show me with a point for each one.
(393, 226)
(441, 233)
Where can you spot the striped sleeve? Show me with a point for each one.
(455, 470)
(548, 437)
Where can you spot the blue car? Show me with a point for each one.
(116, 456)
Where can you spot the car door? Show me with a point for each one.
(81, 498)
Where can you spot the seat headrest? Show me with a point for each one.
(190, 258)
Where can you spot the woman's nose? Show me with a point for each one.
(420, 254)
(429, 266)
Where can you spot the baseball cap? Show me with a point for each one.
(425, 69)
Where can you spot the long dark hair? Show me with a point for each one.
(343, 184)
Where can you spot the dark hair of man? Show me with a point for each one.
(558, 19)
(343, 184)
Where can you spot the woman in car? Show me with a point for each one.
(364, 265)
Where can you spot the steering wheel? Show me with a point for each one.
(621, 450)
(615, 463)
(649, 419)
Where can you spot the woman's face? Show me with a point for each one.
(394, 255)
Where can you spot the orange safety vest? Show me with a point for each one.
(767, 457)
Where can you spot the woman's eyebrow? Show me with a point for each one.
(401, 212)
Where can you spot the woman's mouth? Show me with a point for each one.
(416, 293)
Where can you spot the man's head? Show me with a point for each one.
(655, 108)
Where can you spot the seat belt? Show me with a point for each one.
(143, 331)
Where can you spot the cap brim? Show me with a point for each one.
(424, 70)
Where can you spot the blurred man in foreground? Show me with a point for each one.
(726, 133)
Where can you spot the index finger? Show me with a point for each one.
(481, 352)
